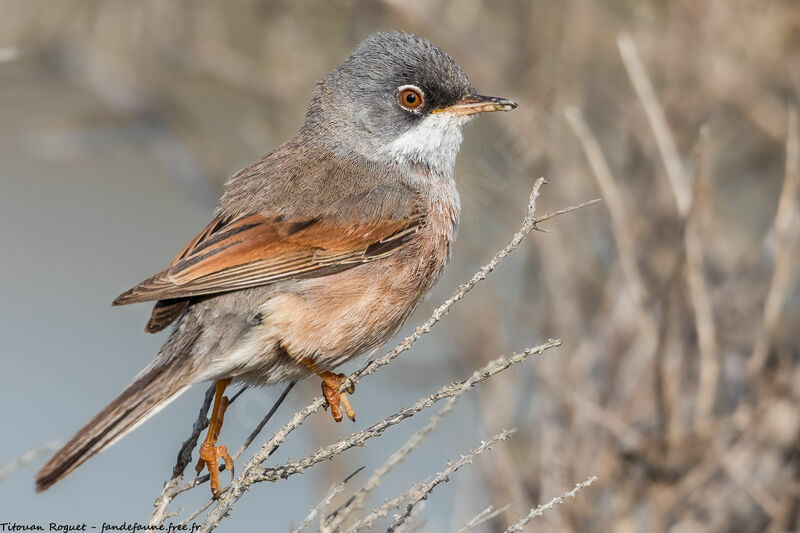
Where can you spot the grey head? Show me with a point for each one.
(397, 100)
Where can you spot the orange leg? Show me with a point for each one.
(330, 389)
(210, 453)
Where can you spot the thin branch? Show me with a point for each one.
(382, 510)
(422, 492)
(259, 474)
(540, 510)
(335, 489)
(356, 502)
(375, 430)
(409, 523)
(267, 417)
(197, 512)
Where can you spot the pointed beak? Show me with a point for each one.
(477, 103)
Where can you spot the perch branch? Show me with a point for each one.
(359, 439)
(356, 502)
(258, 474)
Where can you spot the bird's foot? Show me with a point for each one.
(209, 458)
(331, 383)
(210, 453)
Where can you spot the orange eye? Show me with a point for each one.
(411, 98)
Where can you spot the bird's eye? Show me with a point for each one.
(410, 97)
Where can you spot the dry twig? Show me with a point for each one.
(422, 492)
(332, 492)
(483, 517)
(540, 510)
(359, 439)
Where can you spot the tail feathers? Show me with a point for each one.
(150, 392)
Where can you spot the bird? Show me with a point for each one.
(316, 254)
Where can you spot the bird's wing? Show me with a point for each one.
(257, 250)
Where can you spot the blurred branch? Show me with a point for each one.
(621, 228)
(27, 458)
(658, 121)
(681, 189)
(482, 517)
(620, 222)
(786, 219)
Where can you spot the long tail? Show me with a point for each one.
(161, 382)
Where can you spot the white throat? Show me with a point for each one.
(434, 142)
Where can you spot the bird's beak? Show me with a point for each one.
(477, 103)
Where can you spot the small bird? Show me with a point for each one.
(317, 253)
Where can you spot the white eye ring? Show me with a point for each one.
(410, 97)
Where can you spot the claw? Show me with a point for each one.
(222, 452)
(351, 413)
